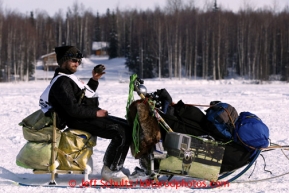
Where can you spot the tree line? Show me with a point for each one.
(177, 41)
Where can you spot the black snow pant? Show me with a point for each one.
(113, 128)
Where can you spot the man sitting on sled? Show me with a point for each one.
(77, 106)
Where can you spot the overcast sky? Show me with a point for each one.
(53, 6)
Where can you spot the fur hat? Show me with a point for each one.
(64, 53)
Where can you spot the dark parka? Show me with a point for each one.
(64, 97)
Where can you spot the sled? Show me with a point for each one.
(63, 159)
(168, 154)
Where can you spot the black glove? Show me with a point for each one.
(99, 68)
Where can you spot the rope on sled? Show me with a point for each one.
(163, 126)
(265, 179)
(284, 153)
(135, 134)
(274, 147)
(130, 98)
(135, 131)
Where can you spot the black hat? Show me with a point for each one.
(64, 53)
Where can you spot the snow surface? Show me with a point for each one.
(270, 101)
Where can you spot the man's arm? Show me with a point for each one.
(93, 84)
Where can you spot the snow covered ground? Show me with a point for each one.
(270, 101)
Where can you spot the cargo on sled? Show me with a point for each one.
(51, 150)
(180, 140)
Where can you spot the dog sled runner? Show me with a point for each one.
(181, 154)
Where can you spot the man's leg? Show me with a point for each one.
(117, 149)
(121, 136)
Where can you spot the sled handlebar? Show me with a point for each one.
(140, 88)
(142, 92)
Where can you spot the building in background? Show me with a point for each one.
(49, 61)
(100, 48)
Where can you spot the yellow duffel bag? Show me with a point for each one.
(74, 150)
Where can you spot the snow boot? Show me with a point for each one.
(138, 175)
(114, 176)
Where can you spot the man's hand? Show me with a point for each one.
(101, 113)
(98, 71)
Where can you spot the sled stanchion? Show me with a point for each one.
(152, 163)
(53, 146)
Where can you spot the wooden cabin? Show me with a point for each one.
(49, 61)
(100, 48)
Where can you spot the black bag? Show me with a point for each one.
(184, 118)
(235, 156)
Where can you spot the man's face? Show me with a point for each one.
(72, 64)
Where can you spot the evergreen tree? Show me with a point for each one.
(113, 39)
(126, 45)
(97, 32)
(132, 61)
